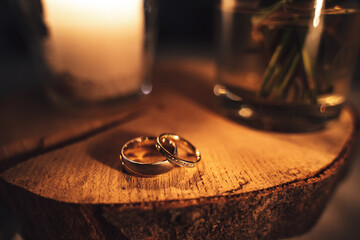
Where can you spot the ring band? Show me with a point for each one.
(173, 157)
(146, 169)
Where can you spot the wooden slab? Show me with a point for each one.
(30, 124)
(249, 183)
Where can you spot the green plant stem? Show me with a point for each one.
(293, 62)
(273, 63)
(310, 75)
(285, 66)
(258, 20)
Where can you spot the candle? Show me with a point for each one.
(98, 43)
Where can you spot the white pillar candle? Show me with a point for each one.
(99, 43)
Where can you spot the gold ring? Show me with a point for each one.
(141, 148)
(165, 151)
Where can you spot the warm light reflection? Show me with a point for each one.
(228, 4)
(246, 112)
(146, 89)
(219, 90)
(312, 41)
(233, 97)
(318, 8)
(100, 40)
(332, 100)
(323, 108)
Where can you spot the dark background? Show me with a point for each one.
(182, 27)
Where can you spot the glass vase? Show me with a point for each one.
(285, 65)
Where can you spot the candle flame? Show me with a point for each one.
(91, 13)
(95, 39)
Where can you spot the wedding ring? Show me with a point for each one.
(166, 152)
(143, 148)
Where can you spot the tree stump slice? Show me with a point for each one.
(249, 184)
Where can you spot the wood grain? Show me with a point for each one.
(249, 183)
(31, 125)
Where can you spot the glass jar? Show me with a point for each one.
(98, 51)
(286, 65)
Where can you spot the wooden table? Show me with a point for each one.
(61, 172)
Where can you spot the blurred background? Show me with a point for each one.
(185, 28)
